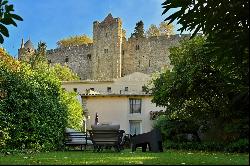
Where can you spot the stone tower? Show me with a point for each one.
(26, 51)
(107, 48)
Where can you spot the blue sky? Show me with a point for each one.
(52, 20)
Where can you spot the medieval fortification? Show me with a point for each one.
(111, 55)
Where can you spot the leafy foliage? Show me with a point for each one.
(39, 56)
(241, 146)
(34, 110)
(176, 130)
(31, 112)
(200, 91)
(209, 83)
(139, 30)
(74, 40)
(226, 25)
(153, 31)
(166, 29)
(210, 17)
(64, 73)
(38, 60)
(75, 112)
(7, 18)
(163, 29)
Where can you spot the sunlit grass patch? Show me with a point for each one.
(168, 157)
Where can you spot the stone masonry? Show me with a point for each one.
(112, 55)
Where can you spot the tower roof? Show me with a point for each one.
(108, 18)
(29, 44)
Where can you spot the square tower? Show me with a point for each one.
(107, 48)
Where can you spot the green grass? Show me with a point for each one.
(108, 157)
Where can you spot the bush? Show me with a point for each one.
(32, 114)
(242, 145)
(209, 146)
(239, 146)
(175, 130)
(74, 109)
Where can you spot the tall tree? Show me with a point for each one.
(7, 18)
(221, 68)
(226, 25)
(166, 29)
(139, 30)
(199, 91)
(153, 31)
(210, 17)
(74, 40)
(39, 55)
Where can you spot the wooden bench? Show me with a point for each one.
(77, 138)
(107, 138)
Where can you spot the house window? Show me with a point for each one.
(137, 47)
(148, 63)
(106, 51)
(109, 89)
(66, 59)
(135, 105)
(135, 127)
(126, 89)
(75, 89)
(89, 56)
(49, 61)
(123, 52)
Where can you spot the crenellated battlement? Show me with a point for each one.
(112, 55)
(68, 48)
(160, 38)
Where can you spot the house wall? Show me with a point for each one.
(134, 82)
(82, 86)
(113, 107)
(116, 110)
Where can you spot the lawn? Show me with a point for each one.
(168, 157)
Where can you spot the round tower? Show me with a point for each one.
(26, 50)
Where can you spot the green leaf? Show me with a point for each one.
(9, 8)
(4, 30)
(1, 39)
(4, 3)
(16, 17)
(8, 21)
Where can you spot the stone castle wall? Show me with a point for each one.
(107, 41)
(78, 58)
(112, 55)
(148, 55)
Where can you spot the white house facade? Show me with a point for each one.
(120, 101)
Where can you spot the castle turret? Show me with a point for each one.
(26, 51)
(107, 43)
(22, 44)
